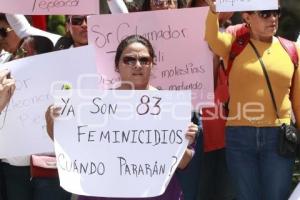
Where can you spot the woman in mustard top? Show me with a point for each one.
(252, 132)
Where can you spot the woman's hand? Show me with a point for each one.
(191, 133)
(212, 5)
(188, 154)
(51, 113)
(7, 88)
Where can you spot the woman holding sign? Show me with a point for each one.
(19, 180)
(263, 88)
(7, 88)
(134, 62)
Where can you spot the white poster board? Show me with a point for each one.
(183, 60)
(120, 143)
(23, 129)
(245, 5)
(50, 7)
(296, 193)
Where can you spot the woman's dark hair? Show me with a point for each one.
(3, 18)
(146, 4)
(132, 6)
(40, 44)
(128, 41)
(194, 3)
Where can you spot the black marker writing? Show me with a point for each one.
(187, 69)
(33, 5)
(123, 30)
(148, 136)
(187, 86)
(143, 108)
(89, 168)
(145, 169)
(102, 107)
(67, 108)
(50, 4)
(173, 164)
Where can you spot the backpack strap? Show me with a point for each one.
(291, 49)
(241, 40)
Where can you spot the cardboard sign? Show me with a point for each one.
(296, 193)
(183, 60)
(119, 143)
(245, 5)
(50, 7)
(22, 123)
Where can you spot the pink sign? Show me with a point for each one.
(183, 60)
(50, 7)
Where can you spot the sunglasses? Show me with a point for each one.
(4, 31)
(78, 20)
(268, 13)
(132, 61)
(161, 3)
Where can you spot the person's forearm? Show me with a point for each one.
(3, 102)
(219, 42)
(295, 91)
(50, 129)
(19, 23)
(23, 29)
(187, 157)
(117, 6)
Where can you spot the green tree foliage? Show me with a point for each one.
(56, 24)
(289, 24)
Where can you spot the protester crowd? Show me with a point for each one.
(228, 158)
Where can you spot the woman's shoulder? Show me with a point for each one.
(63, 43)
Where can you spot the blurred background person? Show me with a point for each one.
(18, 181)
(135, 54)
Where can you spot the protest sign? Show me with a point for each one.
(22, 123)
(183, 60)
(296, 193)
(118, 143)
(50, 7)
(245, 5)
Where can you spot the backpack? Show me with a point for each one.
(242, 34)
(242, 39)
(214, 129)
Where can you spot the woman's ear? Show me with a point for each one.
(246, 17)
(67, 27)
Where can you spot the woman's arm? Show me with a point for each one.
(295, 91)
(51, 113)
(187, 157)
(117, 6)
(22, 28)
(219, 42)
(7, 88)
(189, 152)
